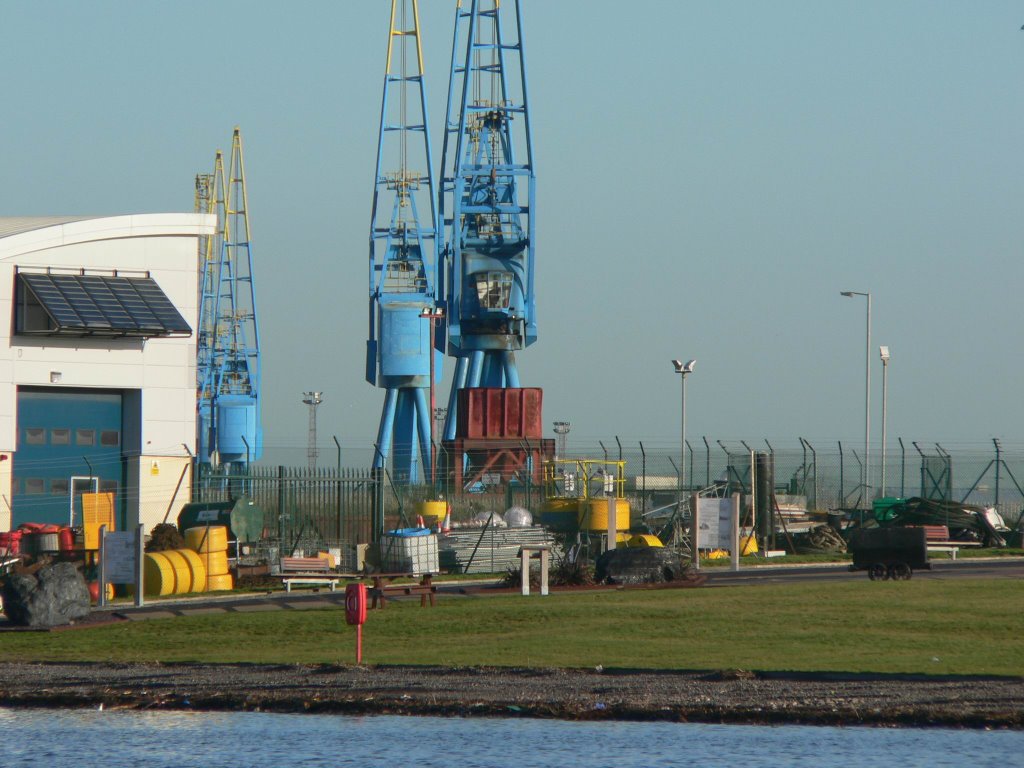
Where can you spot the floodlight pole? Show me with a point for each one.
(683, 369)
(866, 468)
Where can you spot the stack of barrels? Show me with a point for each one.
(173, 572)
(211, 544)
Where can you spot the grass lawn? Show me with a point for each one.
(934, 627)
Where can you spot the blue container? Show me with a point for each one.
(406, 533)
(237, 418)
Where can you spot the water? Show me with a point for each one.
(112, 739)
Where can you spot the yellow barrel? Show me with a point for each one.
(215, 563)
(196, 568)
(203, 538)
(594, 515)
(748, 545)
(432, 512)
(182, 571)
(219, 582)
(157, 575)
(645, 540)
(559, 514)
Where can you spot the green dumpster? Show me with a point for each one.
(242, 517)
(887, 507)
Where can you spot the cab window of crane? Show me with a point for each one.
(493, 289)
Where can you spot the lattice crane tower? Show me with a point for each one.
(231, 372)
(209, 198)
(487, 200)
(403, 255)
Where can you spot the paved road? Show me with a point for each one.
(996, 568)
(988, 568)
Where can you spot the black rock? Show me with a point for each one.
(640, 565)
(55, 595)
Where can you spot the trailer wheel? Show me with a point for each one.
(900, 571)
(878, 572)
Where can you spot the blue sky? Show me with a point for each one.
(710, 176)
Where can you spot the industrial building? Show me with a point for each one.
(98, 364)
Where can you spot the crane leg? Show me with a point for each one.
(384, 433)
(508, 361)
(406, 454)
(476, 369)
(459, 382)
(423, 424)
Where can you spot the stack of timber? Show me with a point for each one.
(488, 550)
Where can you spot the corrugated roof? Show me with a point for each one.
(15, 225)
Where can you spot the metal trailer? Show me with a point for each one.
(889, 553)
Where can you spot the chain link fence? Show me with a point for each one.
(340, 507)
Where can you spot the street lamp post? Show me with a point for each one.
(883, 352)
(866, 468)
(683, 369)
(433, 315)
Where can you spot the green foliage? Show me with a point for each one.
(924, 626)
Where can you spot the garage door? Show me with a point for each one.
(69, 441)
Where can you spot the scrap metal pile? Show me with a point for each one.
(965, 522)
(488, 549)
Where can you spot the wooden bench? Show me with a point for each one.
(307, 570)
(382, 588)
(937, 540)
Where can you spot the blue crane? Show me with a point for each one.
(229, 393)
(403, 308)
(489, 254)
(209, 198)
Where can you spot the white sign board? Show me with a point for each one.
(714, 523)
(120, 553)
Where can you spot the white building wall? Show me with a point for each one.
(163, 369)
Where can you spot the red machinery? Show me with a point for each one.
(498, 439)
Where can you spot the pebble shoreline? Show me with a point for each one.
(730, 696)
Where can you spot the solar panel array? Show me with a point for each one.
(87, 305)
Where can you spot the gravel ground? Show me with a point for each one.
(730, 696)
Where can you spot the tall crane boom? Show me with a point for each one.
(209, 198)
(487, 200)
(403, 254)
(231, 368)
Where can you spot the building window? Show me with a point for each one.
(35, 436)
(60, 437)
(34, 485)
(493, 289)
(110, 437)
(85, 437)
(59, 487)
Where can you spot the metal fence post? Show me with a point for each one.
(643, 493)
(707, 462)
(903, 468)
(280, 507)
(842, 489)
(999, 461)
